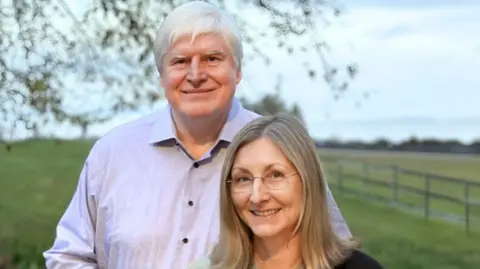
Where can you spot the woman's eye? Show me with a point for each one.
(277, 174)
(242, 179)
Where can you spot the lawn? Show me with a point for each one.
(399, 178)
(405, 241)
(463, 166)
(37, 180)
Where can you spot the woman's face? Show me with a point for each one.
(271, 208)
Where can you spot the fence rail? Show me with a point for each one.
(435, 196)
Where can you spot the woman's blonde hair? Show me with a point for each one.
(320, 246)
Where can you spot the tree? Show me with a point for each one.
(272, 103)
(107, 52)
(85, 120)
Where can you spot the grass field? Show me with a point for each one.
(404, 241)
(450, 198)
(463, 166)
(37, 180)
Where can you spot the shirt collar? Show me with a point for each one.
(164, 128)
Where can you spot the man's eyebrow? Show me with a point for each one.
(177, 55)
(172, 57)
(216, 52)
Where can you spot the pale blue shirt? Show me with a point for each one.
(143, 202)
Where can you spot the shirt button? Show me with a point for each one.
(190, 203)
(195, 165)
(185, 240)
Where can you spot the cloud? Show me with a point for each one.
(420, 62)
(409, 4)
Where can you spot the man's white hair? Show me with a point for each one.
(194, 19)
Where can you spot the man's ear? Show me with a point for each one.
(161, 82)
(239, 74)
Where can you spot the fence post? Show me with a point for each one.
(467, 206)
(427, 196)
(395, 184)
(365, 179)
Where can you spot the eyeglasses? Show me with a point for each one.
(273, 181)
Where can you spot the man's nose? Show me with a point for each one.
(258, 193)
(196, 76)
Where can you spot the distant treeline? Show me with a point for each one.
(412, 144)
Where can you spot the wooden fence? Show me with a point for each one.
(434, 196)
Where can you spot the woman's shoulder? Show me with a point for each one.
(360, 260)
(200, 263)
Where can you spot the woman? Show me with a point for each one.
(273, 204)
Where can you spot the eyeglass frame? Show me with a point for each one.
(263, 179)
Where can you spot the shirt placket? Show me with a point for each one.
(186, 241)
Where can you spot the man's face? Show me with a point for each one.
(200, 78)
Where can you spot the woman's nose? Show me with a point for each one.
(258, 193)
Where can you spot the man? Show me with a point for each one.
(148, 193)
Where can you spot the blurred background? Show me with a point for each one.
(390, 90)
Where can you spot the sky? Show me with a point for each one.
(418, 61)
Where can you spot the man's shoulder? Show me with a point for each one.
(129, 133)
(131, 129)
(251, 114)
(360, 260)
(248, 115)
(201, 263)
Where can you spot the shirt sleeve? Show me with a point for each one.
(339, 224)
(73, 245)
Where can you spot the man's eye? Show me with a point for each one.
(181, 61)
